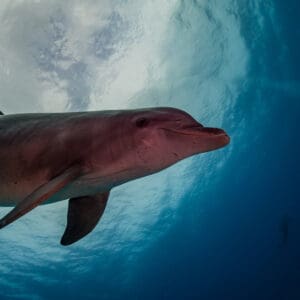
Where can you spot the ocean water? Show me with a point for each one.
(221, 225)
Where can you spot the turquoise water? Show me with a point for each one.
(222, 225)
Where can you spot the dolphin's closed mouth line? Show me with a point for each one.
(194, 133)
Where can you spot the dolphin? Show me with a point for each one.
(81, 156)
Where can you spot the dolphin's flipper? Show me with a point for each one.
(40, 195)
(83, 215)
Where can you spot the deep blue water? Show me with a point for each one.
(225, 225)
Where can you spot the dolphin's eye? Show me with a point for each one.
(142, 122)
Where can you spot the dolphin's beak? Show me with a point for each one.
(199, 130)
(209, 132)
(216, 135)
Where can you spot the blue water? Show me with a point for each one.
(222, 225)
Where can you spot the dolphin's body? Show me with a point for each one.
(81, 156)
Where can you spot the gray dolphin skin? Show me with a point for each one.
(81, 156)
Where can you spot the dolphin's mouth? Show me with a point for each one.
(197, 130)
(216, 135)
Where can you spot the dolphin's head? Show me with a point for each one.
(162, 136)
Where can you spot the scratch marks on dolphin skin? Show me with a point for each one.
(175, 154)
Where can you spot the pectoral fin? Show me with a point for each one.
(40, 195)
(83, 215)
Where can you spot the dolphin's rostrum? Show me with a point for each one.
(81, 156)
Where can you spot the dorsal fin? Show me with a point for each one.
(1, 113)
